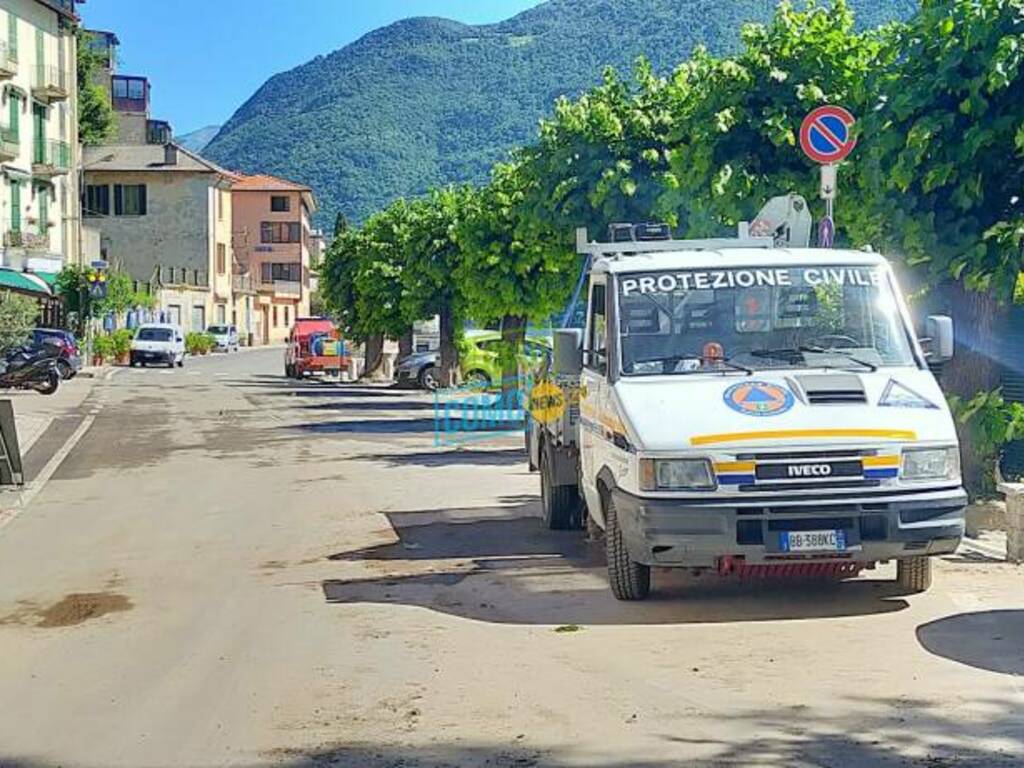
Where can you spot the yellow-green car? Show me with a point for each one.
(480, 362)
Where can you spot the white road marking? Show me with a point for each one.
(32, 489)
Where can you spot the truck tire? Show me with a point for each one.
(560, 503)
(628, 579)
(914, 574)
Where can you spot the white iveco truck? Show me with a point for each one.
(750, 407)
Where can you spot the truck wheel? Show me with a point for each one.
(628, 579)
(561, 503)
(914, 573)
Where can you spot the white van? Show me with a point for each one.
(158, 343)
(749, 409)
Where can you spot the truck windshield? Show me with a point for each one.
(695, 321)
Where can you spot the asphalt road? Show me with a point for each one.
(231, 568)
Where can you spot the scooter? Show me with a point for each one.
(31, 367)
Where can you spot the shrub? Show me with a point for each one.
(103, 347)
(17, 318)
(121, 342)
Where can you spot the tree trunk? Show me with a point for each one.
(374, 355)
(449, 359)
(513, 333)
(975, 367)
(405, 343)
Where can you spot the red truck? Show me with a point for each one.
(314, 346)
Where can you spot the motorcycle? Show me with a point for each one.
(31, 367)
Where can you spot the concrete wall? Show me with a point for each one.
(176, 230)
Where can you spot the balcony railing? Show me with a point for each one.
(50, 83)
(8, 60)
(10, 144)
(51, 157)
(30, 240)
(291, 288)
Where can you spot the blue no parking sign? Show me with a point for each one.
(826, 135)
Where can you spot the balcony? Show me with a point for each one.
(291, 289)
(51, 158)
(50, 84)
(28, 240)
(8, 61)
(10, 145)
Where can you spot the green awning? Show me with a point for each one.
(21, 281)
(50, 278)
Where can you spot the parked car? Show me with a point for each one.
(420, 369)
(314, 346)
(69, 362)
(225, 338)
(480, 361)
(158, 343)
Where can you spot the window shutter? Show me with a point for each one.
(118, 200)
(142, 199)
(104, 206)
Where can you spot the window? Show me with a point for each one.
(129, 199)
(15, 206)
(198, 317)
(222, 260)
(155, 334)
(271, 272)
(275, 317)
(174, 314)
(14, 102)
(280, 203)
(279, 232)
(97, 200)
(597, 333)
(221, 310)
(220, 205)
(286, 316)
(12, 36)
(43, 197)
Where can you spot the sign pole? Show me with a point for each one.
(827, 137)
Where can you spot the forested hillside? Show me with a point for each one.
(427, 101)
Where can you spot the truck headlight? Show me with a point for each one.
(676, 475)
(931, 464)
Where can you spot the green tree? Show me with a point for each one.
(941, 172)
(97, 122)
(18, 315)
(508, 274)
(430, 257)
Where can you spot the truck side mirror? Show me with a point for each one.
(939, 330)
(567, 355)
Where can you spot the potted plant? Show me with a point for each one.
(122, 344)
(193, 342)
(102, 349)
(208, 343)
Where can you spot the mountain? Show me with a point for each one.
(197, 140)
(427, 101)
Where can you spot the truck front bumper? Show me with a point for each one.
(695, 533)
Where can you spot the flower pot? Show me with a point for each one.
(97, 360)
(124, 358)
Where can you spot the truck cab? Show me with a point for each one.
(751, 409)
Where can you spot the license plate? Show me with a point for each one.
(812, 541)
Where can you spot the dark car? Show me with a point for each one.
(70, 361)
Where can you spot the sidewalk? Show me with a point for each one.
(34, 413)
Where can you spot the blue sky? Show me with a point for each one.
(205, 57)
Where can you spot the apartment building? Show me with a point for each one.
(39, 150)
(164, 213)
(273, 243)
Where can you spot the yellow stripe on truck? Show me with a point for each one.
(796, 434)
(734, 466)
(881, 461)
